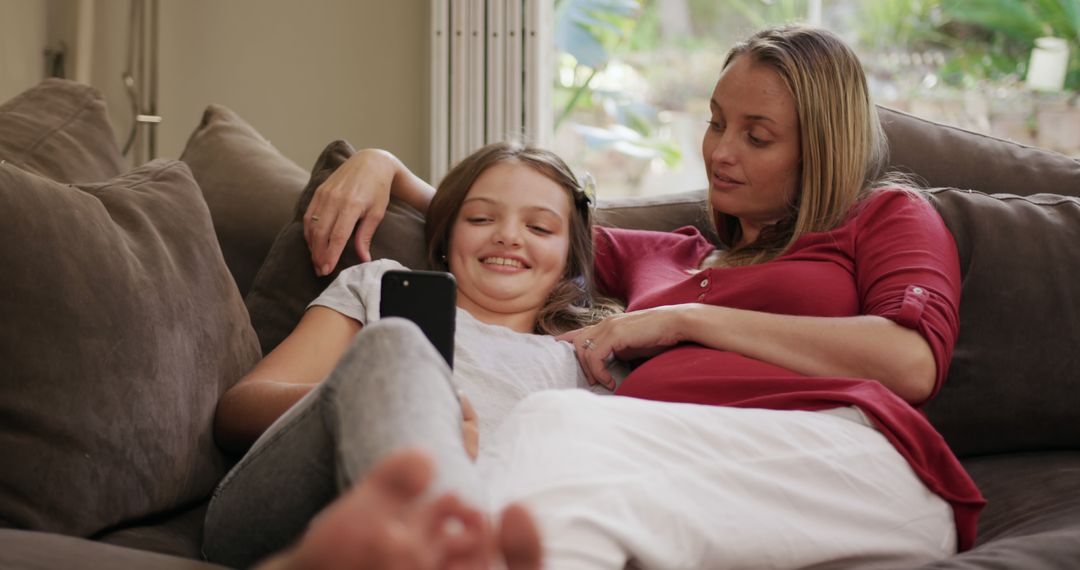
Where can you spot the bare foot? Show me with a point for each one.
(518, 541)
(381, 524)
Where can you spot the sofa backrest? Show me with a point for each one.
(946, 156)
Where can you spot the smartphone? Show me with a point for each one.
(427, 298)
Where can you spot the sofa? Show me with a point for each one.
(132, 298)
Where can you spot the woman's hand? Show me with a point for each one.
(629, 336)
(470, 426)
(358, 190)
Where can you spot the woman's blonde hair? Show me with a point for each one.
(572, 303)
(843, 147)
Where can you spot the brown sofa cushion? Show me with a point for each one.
(286, 283)
(662, 213)
(175, 533)
(122, 327)
(249, 186)
(26, 550)
(946, 156)
(59, 129)
(1032, 518)
(1014, 382)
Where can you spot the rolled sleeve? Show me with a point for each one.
(908, 271)
(912, 307)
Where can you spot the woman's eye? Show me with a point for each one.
(715, 125)
(756, 141)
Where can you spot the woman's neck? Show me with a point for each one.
(749, 232)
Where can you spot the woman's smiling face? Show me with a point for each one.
(751, 147)
(509, 243)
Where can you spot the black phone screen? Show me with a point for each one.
(427, 298)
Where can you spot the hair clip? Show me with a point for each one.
(588, 188)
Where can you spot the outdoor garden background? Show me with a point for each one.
(633, 77)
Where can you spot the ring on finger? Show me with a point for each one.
(314, 217)
(588, 344)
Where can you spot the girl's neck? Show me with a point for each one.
(522, 322)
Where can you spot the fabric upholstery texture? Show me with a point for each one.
(176, 533)
(286, 283)
(1014, 381)
(27, 550)
(659, 213)
(942, 155)
(121, 329)
(60, 129)
(249, 186)
(1032, 517)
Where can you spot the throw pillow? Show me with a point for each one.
(250, 187)
(59, 129)
(122, 327)
(1015, 375)
(286, 283)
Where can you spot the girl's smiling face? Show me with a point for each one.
(509, 244)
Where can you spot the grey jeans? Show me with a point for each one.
(390, 389)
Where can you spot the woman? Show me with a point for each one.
(513, 226)
(834, 292)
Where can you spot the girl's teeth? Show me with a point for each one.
(502, 261)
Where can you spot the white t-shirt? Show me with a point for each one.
(496, 367)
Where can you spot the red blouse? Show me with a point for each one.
(892, 257)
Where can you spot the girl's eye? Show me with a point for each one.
(477, 219)
(715, 125)
(540, 229)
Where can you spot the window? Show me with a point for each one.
(632, 77)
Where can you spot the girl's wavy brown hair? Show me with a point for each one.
(573, 302)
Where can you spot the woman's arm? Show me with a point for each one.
(358, 190)
(854, 347)
(864, 346)
(282, 377)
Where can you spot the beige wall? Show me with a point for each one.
(22, 41)
(302, 72)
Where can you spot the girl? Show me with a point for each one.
(513, 226)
